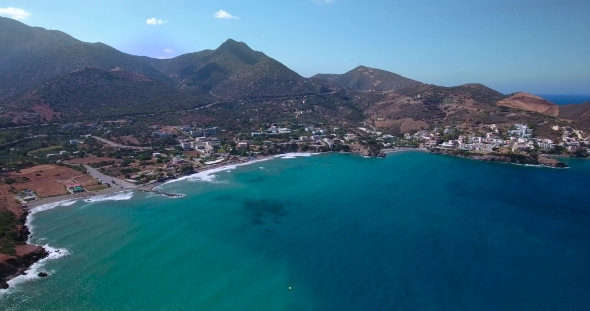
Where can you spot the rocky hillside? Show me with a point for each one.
(30, 56)
(529, 102)
(576, 112)
(368, 79)
(94, 92)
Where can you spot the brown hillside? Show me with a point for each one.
(530, 102)
(576, 112)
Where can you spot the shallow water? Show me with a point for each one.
(414, 231)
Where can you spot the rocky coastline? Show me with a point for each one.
(24, 256)
(514, 158)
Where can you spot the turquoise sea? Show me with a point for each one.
(414, 231)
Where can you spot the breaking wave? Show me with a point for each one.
(119, 196)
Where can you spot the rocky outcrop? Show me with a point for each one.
(550, 162)
(516, 158)
(13, 266)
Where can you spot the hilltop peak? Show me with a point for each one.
(232, 44)
(530, 102)
(365, 78)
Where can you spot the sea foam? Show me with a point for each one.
(210, 175)
(295, 155)
(55, 253)
(36, 268)
(119, 196)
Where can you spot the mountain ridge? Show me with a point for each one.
(36, 64)
(364, 78)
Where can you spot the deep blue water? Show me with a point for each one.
(414, 231)
(564, 99)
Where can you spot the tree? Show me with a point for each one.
(188, 168)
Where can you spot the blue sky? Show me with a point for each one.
(537, 46)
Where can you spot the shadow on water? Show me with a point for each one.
(261, 211)
(470, 256)
(257, 179)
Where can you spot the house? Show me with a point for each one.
(571, 147)
(196, 133)
(74, 187)
(161, 135)
(242, 145)
(178, 161)
(186, 145)
(449, 144)
(388, 137)
(349, 137)
(210, 131)
(74, 142)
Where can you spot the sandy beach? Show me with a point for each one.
(68, 197)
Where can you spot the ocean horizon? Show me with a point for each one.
(565, 99)
(414, 231)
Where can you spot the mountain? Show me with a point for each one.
(234, 71)
(576, 112)
(368, 79)
(94, 92)
(529, 102)
(30, 56)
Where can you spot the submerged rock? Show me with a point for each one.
(42, 274)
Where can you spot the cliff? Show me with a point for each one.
(13, 266)
(516, 158)
(19, 256)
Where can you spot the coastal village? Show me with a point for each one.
(89, 164)
(82, 160)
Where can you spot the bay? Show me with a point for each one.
(414, 231)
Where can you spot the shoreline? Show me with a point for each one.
(65, 200)
(26, 265)
(31, 270)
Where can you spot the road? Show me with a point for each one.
(22, 139)
(114, 144)
(109, 179)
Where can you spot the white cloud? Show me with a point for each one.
(155, 21)
(223, 14)
(168, 51)
(15, 13)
